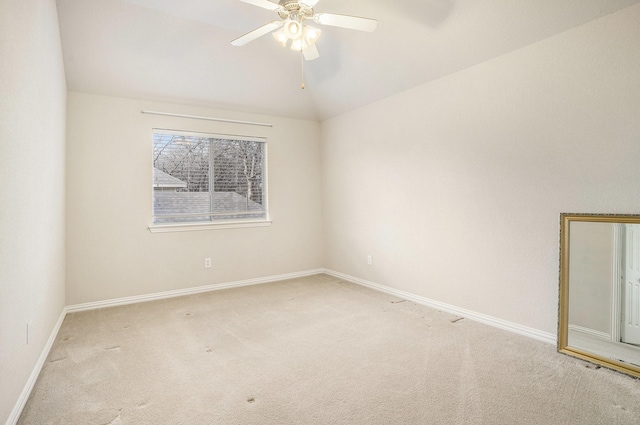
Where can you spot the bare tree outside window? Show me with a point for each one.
(238, 167)
(205, 178)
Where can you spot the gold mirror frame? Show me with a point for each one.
(563, 321)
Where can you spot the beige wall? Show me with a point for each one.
(110, 251)
(455, 187)
(32, 121)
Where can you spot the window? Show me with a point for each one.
(208, 179)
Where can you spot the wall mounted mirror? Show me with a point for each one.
(600, 290)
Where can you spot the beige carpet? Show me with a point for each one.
(315, 350)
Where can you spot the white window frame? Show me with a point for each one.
(221, 224)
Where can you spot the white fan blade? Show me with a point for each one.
(309, 3)
(258, 32)
(265, 4)
(344, 21)
(311, 53)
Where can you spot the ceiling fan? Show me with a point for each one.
(293, 25)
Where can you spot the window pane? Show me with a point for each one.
(237, 169)
(184, 189)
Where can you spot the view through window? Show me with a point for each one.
(204, 178)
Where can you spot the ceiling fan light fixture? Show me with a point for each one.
(294, 15)
(311, 34)
(292, 28)
(299, 44)
(281, 37)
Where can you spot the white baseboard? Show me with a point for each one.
(600, 343)
(26, 391)
(478, 317)
(187, 291)
(591, 332)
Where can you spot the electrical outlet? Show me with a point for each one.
(29, 331)
(207, 263)
(369, 260)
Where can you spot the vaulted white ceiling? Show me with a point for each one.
(179, 50)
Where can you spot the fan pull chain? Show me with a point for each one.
(302, 69)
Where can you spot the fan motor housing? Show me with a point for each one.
(290, 7)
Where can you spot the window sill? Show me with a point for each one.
(190, 227)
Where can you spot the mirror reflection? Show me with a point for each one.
(600, 290)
